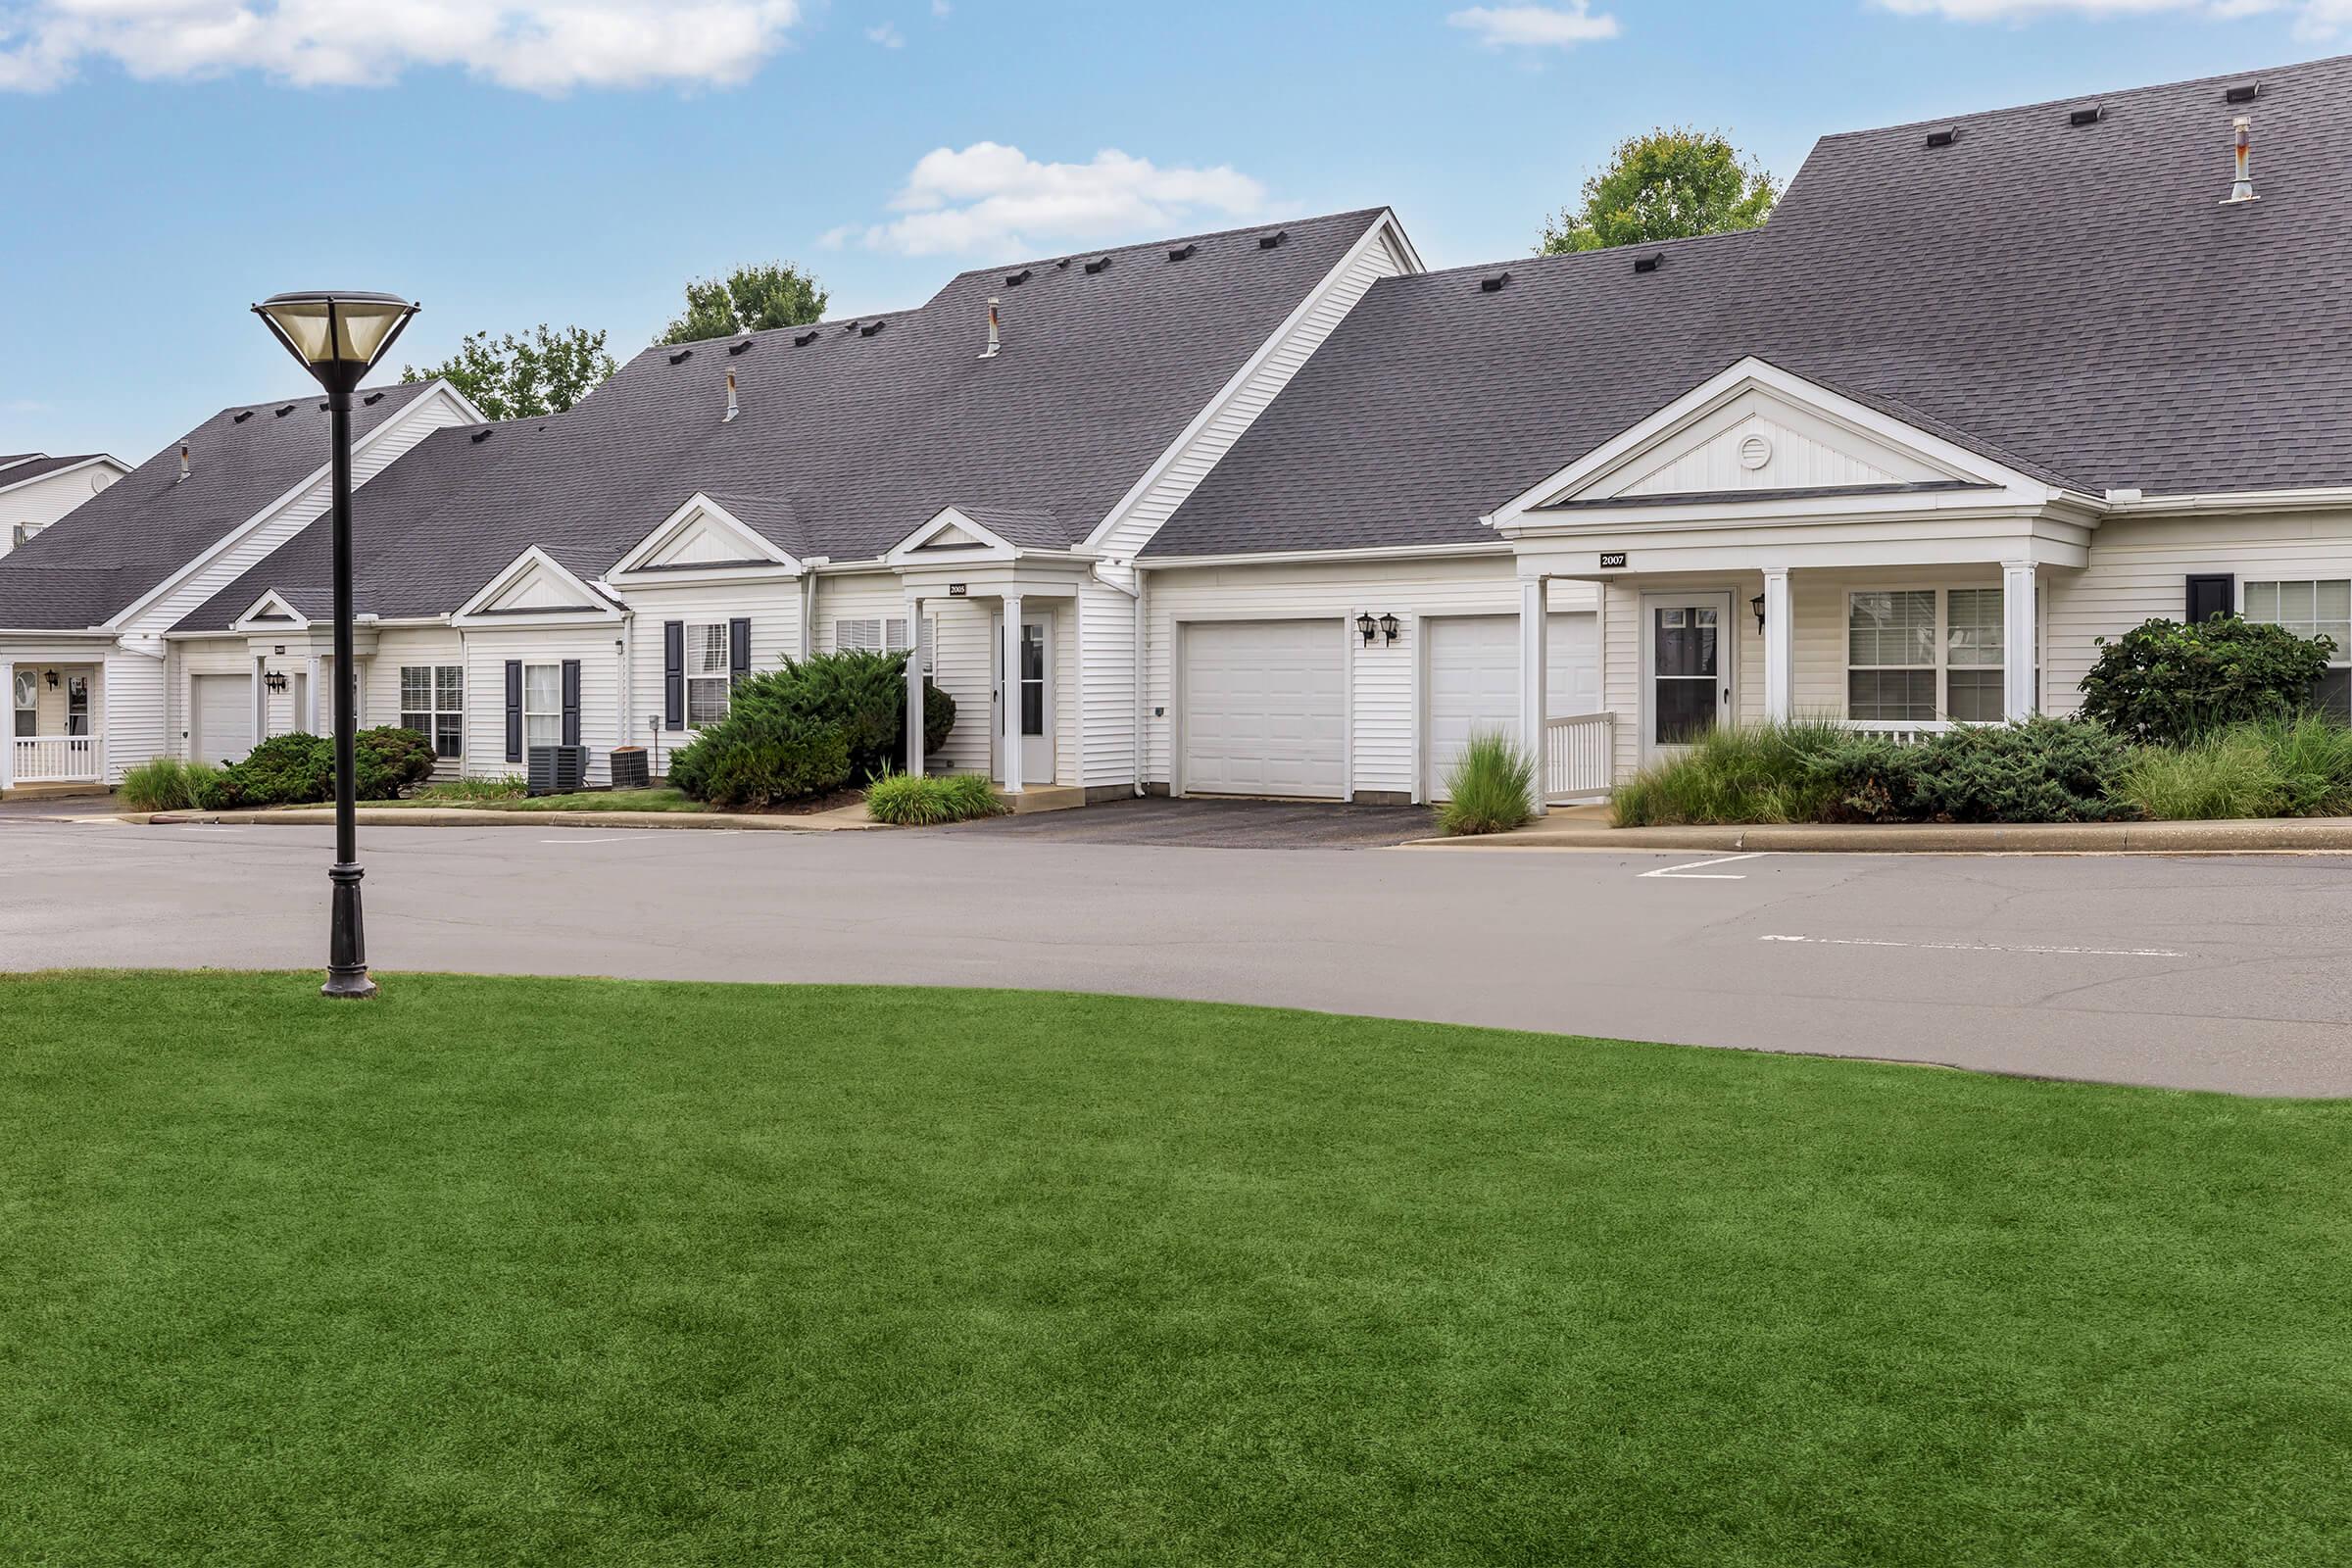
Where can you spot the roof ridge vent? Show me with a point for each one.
(1017, 279)
(1493, 285)
(2088, 117)
(2245, 92)
(871, 328)
(1062, 266)
(1944, 137)
(741, 347)
(240, 416)
(1183, 252)
(1267, 242)
(681, 356)
(1649, 262)
(1097, 264)
(801, 341)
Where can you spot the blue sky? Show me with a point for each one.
(515, 162)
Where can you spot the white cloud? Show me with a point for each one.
(1536, 26)
(941, 8)
(2313, 19)
(989, 197)
(545, 46)
(887, 35)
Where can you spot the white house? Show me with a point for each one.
(1278, 510)
(36, 489)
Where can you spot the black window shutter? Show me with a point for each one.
(739, 649)
(514, 709)
(674, 674)
(2212, 596)
(571, 701)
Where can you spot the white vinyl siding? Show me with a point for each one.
(877, 634)
(486, 655)
(771, 605)
(130, 701)
(1103, 668)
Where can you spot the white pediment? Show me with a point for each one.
(1758, 440)
(271, 613)
(950, 537)
(534, 584)
(702, 534)
(951, 533)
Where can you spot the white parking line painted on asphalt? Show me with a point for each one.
(1692, 873)
(1983, 947)
(574, 838)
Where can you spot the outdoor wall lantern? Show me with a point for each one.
(276, 680)
(1388, 627)
(338, 335)
(51, 674)
(1365, 627)
(1757, 604)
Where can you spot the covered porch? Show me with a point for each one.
(56, 734)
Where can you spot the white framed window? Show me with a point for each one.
(77, 705)
(709, 674)
(432, 702)
(542, 706)
(26, 701)
(2321, 608)
(1920, 654)
(874, 634)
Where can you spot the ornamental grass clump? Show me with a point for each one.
(906, 799)
(2300, 767)
(1804, 770)
(1491, 789)
(166, 784)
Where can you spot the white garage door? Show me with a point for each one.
(1474, 679)
(220, 718)
(1264, 710)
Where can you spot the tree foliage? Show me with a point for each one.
(752, 298)
(511, 377)
(2170, 683)
(1668, 183)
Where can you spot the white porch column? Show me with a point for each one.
(1011, 697)
(261, 699)
(2019, 647)
(1780, 647)
(309, 696)
(8, 740)
(915, 760)
(1535, 663)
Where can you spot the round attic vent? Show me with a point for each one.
(1754, 452)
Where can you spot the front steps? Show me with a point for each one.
(1045, 798)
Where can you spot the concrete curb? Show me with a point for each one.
(2305, 834)
(838, 820)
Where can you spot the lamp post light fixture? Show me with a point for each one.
(338, 335)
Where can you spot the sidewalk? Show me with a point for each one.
(1579, 829)
(849, 818)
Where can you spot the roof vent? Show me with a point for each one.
(1062, 266)
(240, 417)
(1097, 264)
(373, 398)
(183, 462)
(871, 328)
(2245, 92)
(1493, 285)
(990, 352)
(2242, 138)
(732, 407)
(2088, 117)
(738, 348)
(1649, 262)
(1944, 137)
(681, 356)
(1267, 242)
(1017, 279)
(1182, 252)
(483, 435)
(283, 412)
(801, 341)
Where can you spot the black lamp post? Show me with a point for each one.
(338, 335)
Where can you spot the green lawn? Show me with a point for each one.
(532, 1271)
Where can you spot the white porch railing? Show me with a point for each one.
(1904, 731)
(55, 759)
(1579, 756)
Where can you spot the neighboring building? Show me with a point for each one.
(1277, 512)
(36, 489)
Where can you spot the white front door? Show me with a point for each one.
(1474, 680)
(1033, 689)
(220, 718)
(1687, 650)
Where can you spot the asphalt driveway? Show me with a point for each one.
(1211, 825)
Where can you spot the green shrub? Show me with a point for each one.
(2043, 771)
(2167, 683)
(2301, 768)
(1491, 787)
(299, 769)
(166, 784)
(1800, 771)
(861, 697)
(909, 800)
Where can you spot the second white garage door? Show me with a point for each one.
(220, 718)
(1264, 711)
(1474, 679)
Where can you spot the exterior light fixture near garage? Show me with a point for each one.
(1389, 627)
(1757, 606)
(1366, 627)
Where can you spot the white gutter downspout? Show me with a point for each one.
(1136, 594)
(809, 566)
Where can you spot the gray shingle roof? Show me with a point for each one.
(771, 517)
(15, 471)
(114, 547)
(2074, 301)
(867, 434)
